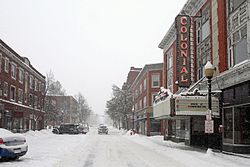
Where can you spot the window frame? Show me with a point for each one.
(13, 70)
(20, 95)
(14, 93)
(6, 64)
(6, 88)
(21, 75)
(155, 76)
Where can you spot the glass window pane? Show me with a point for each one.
(228, 125)
(242, 125)
(205, 30)
(241, 51)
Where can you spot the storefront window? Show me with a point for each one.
(242, 125)
(18, 123)
(173, 128)
(155, 125)
(198, 126)
(228, 125)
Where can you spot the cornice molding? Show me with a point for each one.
(20, 62)
(190, 8)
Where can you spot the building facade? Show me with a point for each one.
(219, 32)
(144, 88)
(133, 73)
(66, 107)
(22, 92)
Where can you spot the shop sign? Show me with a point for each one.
(195, 105)
(162, 108)
(209, 126)
(182, 24)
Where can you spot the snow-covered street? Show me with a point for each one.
(117, 149)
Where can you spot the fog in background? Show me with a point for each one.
(89, 45)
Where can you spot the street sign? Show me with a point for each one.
(208, 117)
(209, 126)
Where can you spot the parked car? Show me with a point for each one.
(67, 128)
(102, 129)
(83, 128)
(12, 146)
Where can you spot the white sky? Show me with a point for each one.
(88, 44)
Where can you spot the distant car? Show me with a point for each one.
(12, 146)
(68, 128)
(102, 129)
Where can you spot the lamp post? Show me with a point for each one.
(209, 72)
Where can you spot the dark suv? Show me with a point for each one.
(66, 128)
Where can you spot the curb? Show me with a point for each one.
(239, 155)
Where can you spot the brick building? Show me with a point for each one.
(66, 107)
(219, 32)
(22, 91)
(144, 88)
(133, 73)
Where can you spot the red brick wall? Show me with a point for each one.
(222, 38)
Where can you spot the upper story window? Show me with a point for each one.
(170, 69)
(43, 88)
(205, 30)
(13, 70)
(234, 4)
(237, 32)
(5, 89)
(31, 100)
(155, 80)
(238, 46)
(170, 59)
(144, 84)
(141, 88)
(36, 85)
(20, 95)
(26, 82)
(141, 104)
(35, 101)
(21, 75)
(31, 82)
(198, 31)
(12, 93)
(6, 65)
(145, 101)
(39, 86)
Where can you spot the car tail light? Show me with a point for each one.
(1, 141)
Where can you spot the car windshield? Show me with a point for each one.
(125, 83)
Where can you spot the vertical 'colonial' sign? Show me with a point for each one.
(182, 24)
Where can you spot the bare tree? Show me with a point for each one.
(120, 105)
(53, 88)
(83, 107)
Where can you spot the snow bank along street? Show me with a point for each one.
(117, 149)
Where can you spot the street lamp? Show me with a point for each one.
(209, 72)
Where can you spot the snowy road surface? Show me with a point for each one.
(115, 150)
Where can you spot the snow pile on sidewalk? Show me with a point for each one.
(187, 155)
(130, 133)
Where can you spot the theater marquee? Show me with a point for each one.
(182, 24)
